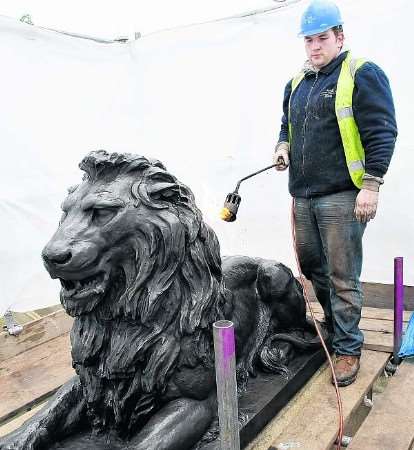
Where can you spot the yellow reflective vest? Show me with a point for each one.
(351, 140)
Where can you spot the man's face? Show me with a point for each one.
(322, 48)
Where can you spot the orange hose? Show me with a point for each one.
(305, 294)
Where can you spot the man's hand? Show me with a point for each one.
(281, 156)
(366, 205)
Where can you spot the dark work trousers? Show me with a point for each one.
(329, 246)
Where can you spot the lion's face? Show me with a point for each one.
(107, 239)
(86, 246)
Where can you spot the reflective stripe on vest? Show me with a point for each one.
(351, 140)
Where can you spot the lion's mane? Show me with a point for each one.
(164, 296)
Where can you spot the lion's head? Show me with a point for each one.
(141, 273)
(129, 235)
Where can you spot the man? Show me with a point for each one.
(337, 137)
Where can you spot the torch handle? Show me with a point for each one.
(252, 175)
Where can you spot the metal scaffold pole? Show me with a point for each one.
(398, 306)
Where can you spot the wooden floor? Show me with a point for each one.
(34, 364)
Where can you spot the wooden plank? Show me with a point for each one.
(370, 313)
(390, 424)
(378, 335)
(31, 376)
(378, 295)
(383, 314)
(379, 342)
(311, 421)
(377, 325)
(382, 295)
(266, 436)
(34, 333)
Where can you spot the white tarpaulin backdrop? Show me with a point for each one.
(205, 100)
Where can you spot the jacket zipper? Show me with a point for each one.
(304, 132)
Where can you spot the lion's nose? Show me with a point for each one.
(56, 256)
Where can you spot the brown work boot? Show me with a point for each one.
(346, 369)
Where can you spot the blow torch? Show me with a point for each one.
(232, 203)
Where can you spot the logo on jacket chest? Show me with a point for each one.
(328, 93)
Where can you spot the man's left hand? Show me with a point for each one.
(366, 205)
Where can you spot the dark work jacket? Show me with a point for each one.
(317, 158)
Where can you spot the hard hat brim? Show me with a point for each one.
(320, 29)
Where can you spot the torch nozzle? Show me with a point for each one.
(231, 206)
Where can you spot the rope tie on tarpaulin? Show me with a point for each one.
(281, 5)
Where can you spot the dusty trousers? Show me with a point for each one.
(329, 246)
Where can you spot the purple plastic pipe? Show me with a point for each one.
(398, 306)
(225, 360)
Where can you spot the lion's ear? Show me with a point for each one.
(157, 190)
(163, 186)
(165, 191)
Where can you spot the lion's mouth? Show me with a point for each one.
(78, 289)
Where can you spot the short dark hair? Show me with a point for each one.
(338, 29)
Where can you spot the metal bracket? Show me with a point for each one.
(391, 368)
(346, 441)
(286, 446)
(13, 328)
(368, 402)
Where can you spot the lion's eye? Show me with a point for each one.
(101, 216)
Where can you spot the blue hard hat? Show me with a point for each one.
(320, 16)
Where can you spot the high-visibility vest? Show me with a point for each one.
(351, 140)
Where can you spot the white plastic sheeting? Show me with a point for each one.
(205, 100)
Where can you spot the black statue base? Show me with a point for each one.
(267, 394)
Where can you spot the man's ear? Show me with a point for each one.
(340, 39)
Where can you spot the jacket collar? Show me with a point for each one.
(329, 68)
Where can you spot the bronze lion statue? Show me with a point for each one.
(142, 275)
